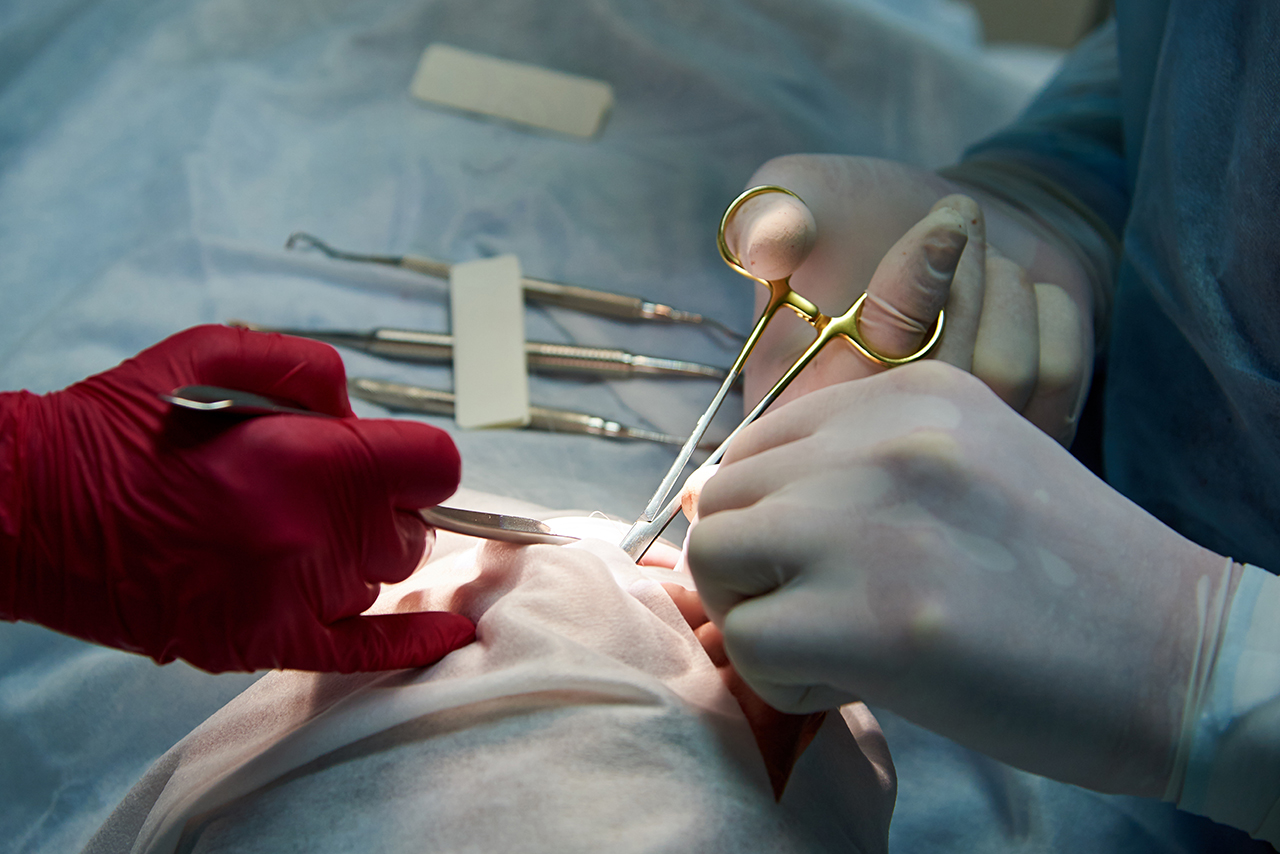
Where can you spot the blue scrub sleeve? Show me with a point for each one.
(1062, 163)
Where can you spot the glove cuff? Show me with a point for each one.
(15, 410)
(51, 561)
(1227, 764)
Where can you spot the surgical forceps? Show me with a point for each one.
(656, 516)
(589, 300)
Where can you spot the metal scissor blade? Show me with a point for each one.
(704, 421)
(642, 534)
(690, 445)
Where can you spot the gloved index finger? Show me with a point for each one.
(406, 466)
(912, 283)
(295, 370)
(418, 463)
(968, 287)
(789, 423)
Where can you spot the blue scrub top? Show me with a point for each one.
(1166, 123)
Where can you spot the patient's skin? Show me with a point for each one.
(781, 737)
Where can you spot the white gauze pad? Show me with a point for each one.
(490, 374)
(527, 94)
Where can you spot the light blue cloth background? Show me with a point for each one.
(154, 157)
(1178, 156)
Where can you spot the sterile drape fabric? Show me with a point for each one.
(586, 717)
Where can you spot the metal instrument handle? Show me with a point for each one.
(403, 396)
(427, 266)
(433, 402)
(411, 345)
(548, 292)
(435, 347)
(565, 421)
(571, 358)
(586, 299)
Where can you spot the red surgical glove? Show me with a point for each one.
(233, 543)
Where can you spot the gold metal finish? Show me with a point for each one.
(844, 325)
(658, 515)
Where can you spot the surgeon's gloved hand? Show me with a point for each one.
(910, 540)
(232, 543)
(1020, 301)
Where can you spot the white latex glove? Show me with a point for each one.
(909, 540)
(1018, 316)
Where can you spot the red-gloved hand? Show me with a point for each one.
(233, 543)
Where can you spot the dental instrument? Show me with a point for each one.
(489, 526)
(656, 515)
(493, 526)
(543, 291)
(408, 345)
(415, 398)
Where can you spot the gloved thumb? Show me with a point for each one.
(383, 642)
(771, 234)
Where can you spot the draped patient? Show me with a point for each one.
(587, 714)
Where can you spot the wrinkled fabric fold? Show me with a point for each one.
(586, 716)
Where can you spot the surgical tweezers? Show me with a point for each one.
(589, 300)
(415, 398)
(473, 523)
(409, 345)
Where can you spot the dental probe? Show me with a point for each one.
(544, 291)
(409, 345)
(414, 398)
